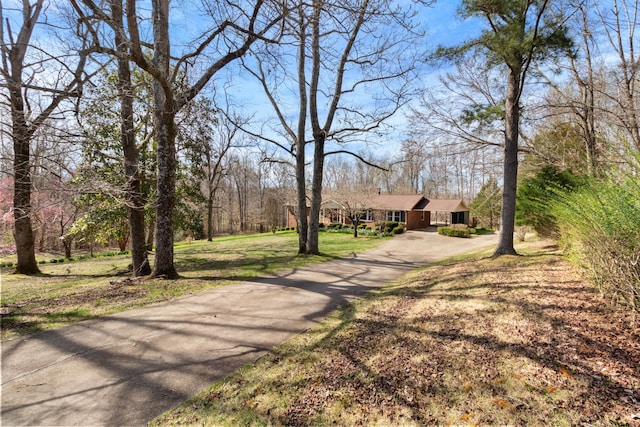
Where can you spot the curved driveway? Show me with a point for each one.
(127, 368)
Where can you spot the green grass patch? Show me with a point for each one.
(71, 291)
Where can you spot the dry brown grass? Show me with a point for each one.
(513, 340)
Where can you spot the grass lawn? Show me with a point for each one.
(470, 341)
(73, 291)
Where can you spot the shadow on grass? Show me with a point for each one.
(16, 321)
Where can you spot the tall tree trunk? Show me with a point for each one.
(134, 196)
(510, 178)
(313, 244)
(300, 143)
(151, 229)
(301, 188)
(319, 133)
(67, 247)
(166, 200)
(585, 110)
(164, 119)
(240, 191)
(25, 241)
(210, 217)
(589, 107)
(22, 134)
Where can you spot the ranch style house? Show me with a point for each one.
(416, 211)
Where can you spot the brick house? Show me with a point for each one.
(415, 211)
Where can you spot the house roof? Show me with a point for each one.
(404, 202)
(331, 204)
(396, 202)
(446, 205)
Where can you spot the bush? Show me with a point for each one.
(334, 226)
(536, 193)
(398, 230)
(599, 228)
(454, 232)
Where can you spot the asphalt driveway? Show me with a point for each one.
(127, 368)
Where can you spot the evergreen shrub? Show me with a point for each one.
(398, 230)
(391, 224)
(454, 232)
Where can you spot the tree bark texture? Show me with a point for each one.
(210, 217)
(510, 177)
(313, 244)
(22, 134)
(319, 134)
(164, 118)
(301, 190)
(166, 198)
(134, 197)
(23, 233)
(300, 142)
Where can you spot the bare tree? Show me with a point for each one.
(222, 138)
(576, 100)
(345, 54)
(619, 22)
(33, 98)
(356, 202)
(599, 94)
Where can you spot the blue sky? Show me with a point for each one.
(442, 25)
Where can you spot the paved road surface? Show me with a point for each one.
(127, 368)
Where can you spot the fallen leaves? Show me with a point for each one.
(519, 341)
(565, 373)
(409, 350)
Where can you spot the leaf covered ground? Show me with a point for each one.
(478, 341)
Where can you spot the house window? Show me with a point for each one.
(395, 216)
(422, 217)
(368, 216)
